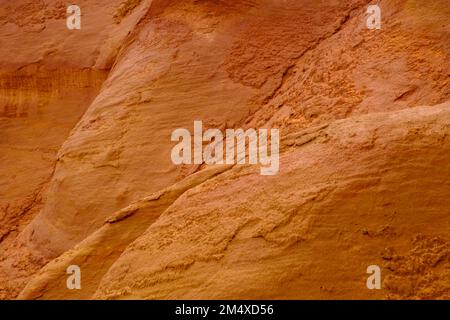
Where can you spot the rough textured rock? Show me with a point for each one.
(86, 118)
(340, 201)
(48, 78)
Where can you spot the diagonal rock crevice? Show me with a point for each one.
(98, 252)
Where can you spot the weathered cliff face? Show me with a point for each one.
(49, 76)
(352, 197)
(87, 115)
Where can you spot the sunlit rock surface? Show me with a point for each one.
(86, 175)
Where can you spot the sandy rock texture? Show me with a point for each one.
(87, 178)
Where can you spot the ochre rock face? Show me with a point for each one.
(87, 179)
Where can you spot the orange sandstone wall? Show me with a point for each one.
(86, 118)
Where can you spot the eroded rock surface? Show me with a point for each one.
(87, 178)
